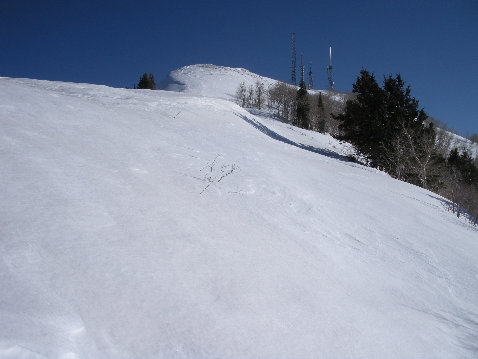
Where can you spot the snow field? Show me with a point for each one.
(153, 224)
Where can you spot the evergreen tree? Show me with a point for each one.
(303, 107)
(146, 82)
(152, 84)
(362, 122)
(321, 115)
(388, 128)
(320, 103)
(463, 164)
(143, 82)
(405, 123)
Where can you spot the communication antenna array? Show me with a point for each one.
(329, 70)
(294, 62)
(311, 77)
(301, 68)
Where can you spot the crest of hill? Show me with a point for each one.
(222, 82)
(211, 80)
(214, 81)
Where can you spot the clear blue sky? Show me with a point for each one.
(432, 44)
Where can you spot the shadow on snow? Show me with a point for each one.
(272, 134)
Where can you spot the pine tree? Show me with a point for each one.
(321, 102)
(361, 123)
(463, 163)
(152, 84)
(146, 82)
(405, 122)
(387, 127)
(303, 107)
(143, 82)
(321, 115)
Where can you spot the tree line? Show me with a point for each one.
(387, 128)
(287, 103)
(391, 132)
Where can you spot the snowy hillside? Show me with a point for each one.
(211, 80)
(462, 143)
(221, 82)
(154, 224)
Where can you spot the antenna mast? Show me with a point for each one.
(301, 68)
(294, 62)
(329, 70)
(311, 78)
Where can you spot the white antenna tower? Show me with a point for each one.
(329, 70)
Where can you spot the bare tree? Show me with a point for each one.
(443, 141)
(334, 104)
(282, 100)
(471, 203)
(260, 93)
(396, 156)
(250, 96)
(413, 155)
(474, 138)
(241, 94)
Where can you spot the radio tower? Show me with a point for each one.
(329, 70)
(311, 78)
(302, 69)
(294, 62)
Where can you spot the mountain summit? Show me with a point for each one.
(211, 80)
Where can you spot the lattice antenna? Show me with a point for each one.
(329, 70)
(301, 68)
(311, 77)
(294, 62)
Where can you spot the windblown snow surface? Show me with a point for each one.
(155, 224)
(212, 81)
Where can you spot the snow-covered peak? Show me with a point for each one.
(211, 80)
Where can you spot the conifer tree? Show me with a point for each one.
(387, 127)
(146, 82)
(152, 84)
(463, 163)
(361, 121)
(143, 82)
(321, 115)
(302, 119)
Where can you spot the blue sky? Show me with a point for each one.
(432, 44)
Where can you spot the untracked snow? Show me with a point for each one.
(155, 224)
(212, 81)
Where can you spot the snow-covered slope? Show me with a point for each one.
(152, 224)
(462, 143)
(211, 80)
(207, 80)
(222, 82)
